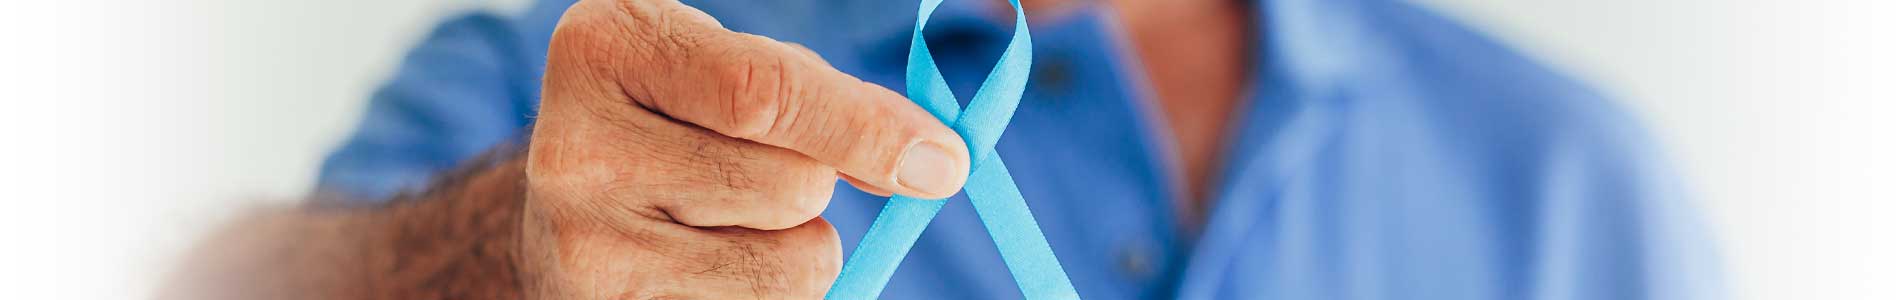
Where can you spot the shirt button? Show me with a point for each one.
(1053, 73)
(1136, 261)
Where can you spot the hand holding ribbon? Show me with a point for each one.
(991, 190)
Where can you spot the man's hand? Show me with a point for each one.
(673, 158)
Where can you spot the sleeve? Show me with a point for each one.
(471, 83)
(1616, 223)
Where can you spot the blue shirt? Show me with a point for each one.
(1383, 152)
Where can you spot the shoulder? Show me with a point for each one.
(1478, 94)
(1465, 75)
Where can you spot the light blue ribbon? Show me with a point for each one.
(998, 203)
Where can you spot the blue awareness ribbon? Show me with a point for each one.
(991, 190)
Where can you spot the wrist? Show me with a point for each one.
(458, 240)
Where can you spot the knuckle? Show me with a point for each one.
(587, 35)
(721, 163)
(801, 212)
(813, 192)
(756, 90)
(551, 168)
(677, 31)
(821, 252)
(592, 46)
(823, 240)
(801, 189)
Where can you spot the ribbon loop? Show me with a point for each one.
(998, 202)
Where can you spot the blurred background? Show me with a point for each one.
(132, 127)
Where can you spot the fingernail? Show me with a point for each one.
(929, 168)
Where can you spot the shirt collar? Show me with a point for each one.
(1311, 44)
(1318, 44)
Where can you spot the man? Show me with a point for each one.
(1192, 149)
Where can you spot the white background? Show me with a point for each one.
(133, 126)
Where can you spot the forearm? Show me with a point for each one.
(457, 241)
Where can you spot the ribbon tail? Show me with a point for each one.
(890, 238)
(1006, 216)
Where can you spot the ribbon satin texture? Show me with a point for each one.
(991, 190)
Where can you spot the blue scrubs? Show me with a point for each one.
(1384, 152)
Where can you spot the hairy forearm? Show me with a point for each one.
(457, 241)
